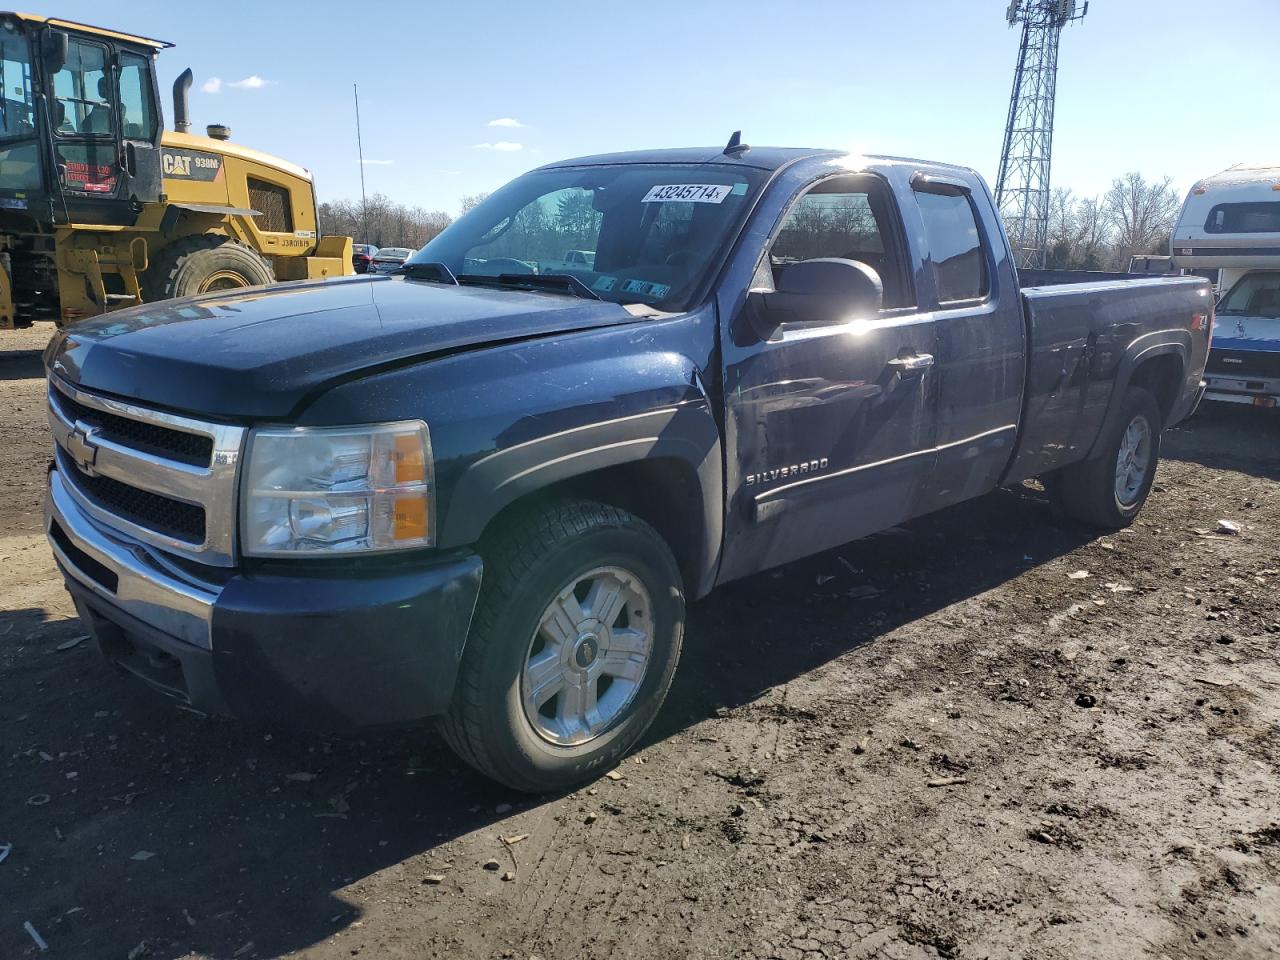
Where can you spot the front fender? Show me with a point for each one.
(510, 420)
(684, 431)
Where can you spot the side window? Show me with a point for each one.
(849, 218)
(955, 246)
(82, 91)
(17, 118)
(137, 106)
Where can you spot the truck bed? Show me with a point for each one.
(1082, 341)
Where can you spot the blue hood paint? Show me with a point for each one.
(260, 353)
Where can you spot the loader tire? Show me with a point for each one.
(204, 264)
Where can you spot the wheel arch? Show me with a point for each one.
(1156, 362)
(663, 466)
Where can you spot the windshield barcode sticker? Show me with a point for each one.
(687, 193)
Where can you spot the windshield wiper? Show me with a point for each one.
(428, 270)
(551, 282)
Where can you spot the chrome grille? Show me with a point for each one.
(191, 448)
(166, 480)
(1244, 363)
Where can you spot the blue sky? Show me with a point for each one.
(1172, 88)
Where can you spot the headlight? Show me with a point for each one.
(337, 489)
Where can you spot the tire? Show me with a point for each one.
(204, 264)
(534, 574)
(1093, 491)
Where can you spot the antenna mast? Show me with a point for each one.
(1022, 187)
(364, 205)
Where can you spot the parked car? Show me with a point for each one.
(487, 498)
(573, 260)
(389, 259)
(362, 255)
(1231, 222)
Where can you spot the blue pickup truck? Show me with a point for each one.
(484, 492)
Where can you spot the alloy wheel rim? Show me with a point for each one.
(1133, 461)
(588, 656)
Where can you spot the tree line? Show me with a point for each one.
(382, 222)
(1134, 216)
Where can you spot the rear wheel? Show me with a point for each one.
(1109, 490)
(572, 649)
(204, 264)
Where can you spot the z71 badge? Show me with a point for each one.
(786, 473)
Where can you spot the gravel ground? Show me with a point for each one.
(935, 742)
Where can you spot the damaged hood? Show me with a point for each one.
(261, 353)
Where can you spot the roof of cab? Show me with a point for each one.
(761, 158)
(88, 28)
(1244, 173)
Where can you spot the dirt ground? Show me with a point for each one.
(933, 743)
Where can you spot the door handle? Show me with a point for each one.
(910, 366)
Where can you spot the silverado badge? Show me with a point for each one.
(783, 473)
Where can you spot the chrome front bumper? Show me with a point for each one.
(125, 573)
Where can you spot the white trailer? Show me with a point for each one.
(1231, 222)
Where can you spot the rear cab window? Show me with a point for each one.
(957, 254)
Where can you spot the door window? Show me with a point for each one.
(82, 92)
(850, 218)
(137, 103)
(955, 246)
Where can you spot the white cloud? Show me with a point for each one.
(254, 82)
(505, 122)
(505, 146)
(378, 163)
(212, 85)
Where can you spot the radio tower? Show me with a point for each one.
(1022, 187)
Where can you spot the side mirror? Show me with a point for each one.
(828, 290)
(54, 48)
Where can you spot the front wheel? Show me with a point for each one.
(1109, 490)
(572, 649)
(205, 263)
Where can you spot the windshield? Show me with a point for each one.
(393, 253)
(638, 233)
(1256, 295)
(17, 117)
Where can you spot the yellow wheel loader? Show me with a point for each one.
(101, 208)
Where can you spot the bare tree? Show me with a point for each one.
(1142, 214)
(1061, 238)
(382, 222)
(1093, 235)
(471, 201)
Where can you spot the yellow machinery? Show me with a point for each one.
(101, 208)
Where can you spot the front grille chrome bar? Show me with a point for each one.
(85, 450)
(142, 588)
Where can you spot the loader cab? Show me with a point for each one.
(80, 126)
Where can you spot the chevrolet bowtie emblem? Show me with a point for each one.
(81, 447)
